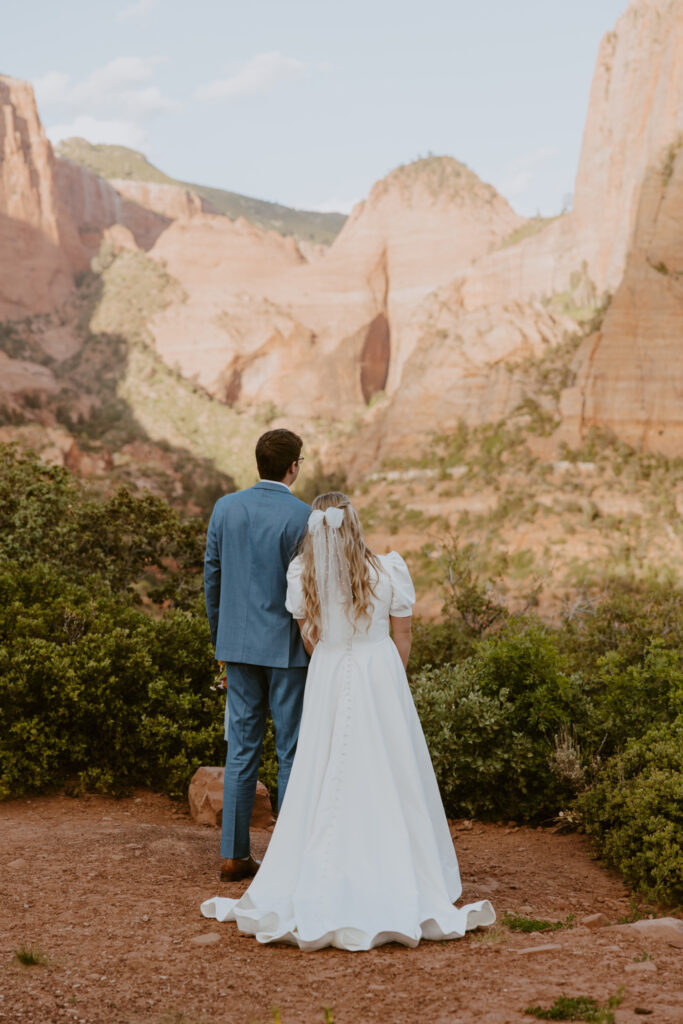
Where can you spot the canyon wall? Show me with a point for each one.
(39, 245)
(630, 373)
(433, 294)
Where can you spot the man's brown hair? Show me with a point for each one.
(276, 450)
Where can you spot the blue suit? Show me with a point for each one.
(251, 540)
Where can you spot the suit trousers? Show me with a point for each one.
(251, 689)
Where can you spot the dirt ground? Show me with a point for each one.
(109, 891)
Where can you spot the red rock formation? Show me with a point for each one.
(458, 372)
(420, 226)
(225, 268)
(635, 109)
(630, 374)
(95, 205)
(170, 201)
(630, 377)
(39, 247)
(275, 328)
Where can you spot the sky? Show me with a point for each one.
(309, 102)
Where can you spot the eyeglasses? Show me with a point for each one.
(300, 460)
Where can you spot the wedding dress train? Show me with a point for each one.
(361, 853)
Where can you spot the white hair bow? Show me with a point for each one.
(332, 516)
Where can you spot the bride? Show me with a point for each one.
(361, 853)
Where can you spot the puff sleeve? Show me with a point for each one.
(403, 597)
(294, 602)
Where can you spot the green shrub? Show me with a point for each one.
(97, 695)
(624, 617)
(490, 725)
(437, 644)
(524, 661)
(634, 812)
(628, 698)
(134, 544)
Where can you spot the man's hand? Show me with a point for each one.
(221, 679)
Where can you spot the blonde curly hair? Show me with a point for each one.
(359, 558)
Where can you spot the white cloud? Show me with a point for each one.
(114, 133)
(112, 104)
(116, 85)
(144, 103)
(259, 75)
(119, 83)
(136, 10)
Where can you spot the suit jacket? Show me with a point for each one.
(252, 537)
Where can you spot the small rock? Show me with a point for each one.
(546, 948)
(205, 797)
(207, 939)
(595, 921)
(17, 865)
(669, 929)
(641, 966)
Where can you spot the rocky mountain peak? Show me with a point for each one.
(439, 178)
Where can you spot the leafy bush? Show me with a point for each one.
(490, 724)
(527, 715)
(438, 643)
(624, 617)
(634, 812)
(133, 544)
(96, 694)
(628, 698)
(471, 610)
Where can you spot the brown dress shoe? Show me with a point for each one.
(233, 870)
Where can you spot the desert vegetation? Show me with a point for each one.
(107, 677)
(559, 528)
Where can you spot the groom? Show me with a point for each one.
(252, 537)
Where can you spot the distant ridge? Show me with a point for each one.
(111, 162)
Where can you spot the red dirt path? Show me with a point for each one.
(110, 890)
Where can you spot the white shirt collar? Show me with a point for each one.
(278, 482)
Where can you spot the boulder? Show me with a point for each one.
(206, 800)
(667, 929)
(595, 921)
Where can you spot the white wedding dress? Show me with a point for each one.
(361, 853)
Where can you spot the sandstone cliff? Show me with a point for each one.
(39, 246)
(169, 201)
(623, 234)
(95, 205)
(322, 338)
(430, 298)
(630, 374)
(635, 110)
